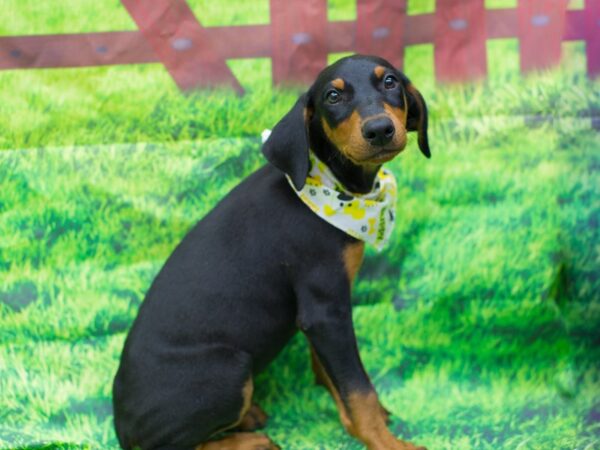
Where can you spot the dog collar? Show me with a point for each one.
(368, 217)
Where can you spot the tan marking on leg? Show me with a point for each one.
(379, 71)
(347, 137)
(247, 391)
(338, 83)
(241, 441)
(353, 257)
(322, 378)
(368, 423)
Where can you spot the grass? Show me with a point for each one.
(478, 324)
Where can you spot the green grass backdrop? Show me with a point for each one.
(479, 324)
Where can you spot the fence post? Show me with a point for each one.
(181, 43)
(592, 37)
(298, 37)
(380, 29)
(460, 37)
(541, 29)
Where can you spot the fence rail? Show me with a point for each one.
(300, 37)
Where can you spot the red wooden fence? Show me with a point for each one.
(181, 44)
(460, 35)
(300, 37)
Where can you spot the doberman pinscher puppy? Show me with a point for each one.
(261, 266)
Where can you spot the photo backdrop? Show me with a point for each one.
(122, 124)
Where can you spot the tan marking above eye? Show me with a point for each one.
(338, 83)
(379, 71)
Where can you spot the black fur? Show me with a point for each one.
(256, 268)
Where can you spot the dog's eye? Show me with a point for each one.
(333, 96)
(390, 82)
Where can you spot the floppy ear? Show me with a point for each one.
(287, 146)
(417, 116)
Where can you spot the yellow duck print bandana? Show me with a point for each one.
(368, 217)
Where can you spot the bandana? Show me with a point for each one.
(367, 217)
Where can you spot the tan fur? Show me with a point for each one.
(379, 71)
(398, 118)
(363, 416)
(338, 83)
(323, 379)
(353, 256)
(247, 391)
(368, 424)
(347, 137)
(240, 441)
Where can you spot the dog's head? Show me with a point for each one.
(359, 109)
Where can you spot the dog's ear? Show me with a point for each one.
(287, 146)
(416, 119)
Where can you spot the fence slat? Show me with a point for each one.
(575, 26)
(592, 14)
(181, 43)
(541, 30)
(419, 29)
(340, 36)
(74, 50)
(380, 26)
(298, 36)
(460, 35)
(501, 23)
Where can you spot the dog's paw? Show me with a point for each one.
(241, 441)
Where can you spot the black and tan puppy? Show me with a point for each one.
(261, 266)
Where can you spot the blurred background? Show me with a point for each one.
(123, 122)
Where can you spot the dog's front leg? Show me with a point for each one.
(325, 317)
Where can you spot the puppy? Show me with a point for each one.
(270, 260)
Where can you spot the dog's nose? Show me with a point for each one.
(378, 131)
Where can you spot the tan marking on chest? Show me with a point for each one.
(353, 256)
